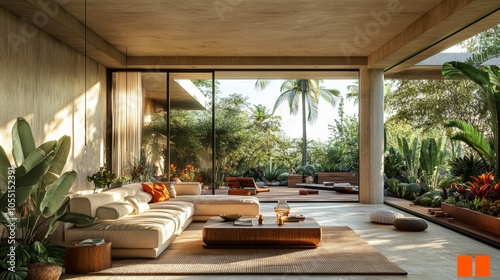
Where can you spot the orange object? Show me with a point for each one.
(464, 266)
(157, 190)
(482, 266)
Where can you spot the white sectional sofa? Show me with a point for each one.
(148, 233)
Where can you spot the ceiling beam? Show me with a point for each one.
(54, 20)
(409, 66)
(253, 62)
(439, 23)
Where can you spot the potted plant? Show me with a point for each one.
(102, 178)
(119, 181)
(33, 196)
(308, 172)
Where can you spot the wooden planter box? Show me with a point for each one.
(293, 180)
(338, 177)
(474, 218)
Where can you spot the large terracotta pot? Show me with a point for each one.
(474, 218)
(43, 271)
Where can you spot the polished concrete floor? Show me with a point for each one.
(425, 255)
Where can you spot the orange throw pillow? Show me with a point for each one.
(157, 190)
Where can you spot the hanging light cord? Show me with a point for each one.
(85, 74)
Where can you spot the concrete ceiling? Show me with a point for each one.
(393, 35)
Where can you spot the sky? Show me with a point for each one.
(292, 125)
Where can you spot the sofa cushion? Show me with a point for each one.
(187, 188)
(88, 204)
(171, 189)
(213, 205)
(113, 210)
(138, 203)
(149, 229)
(143, 196)
(158, 190)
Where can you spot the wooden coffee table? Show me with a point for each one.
(217, 233)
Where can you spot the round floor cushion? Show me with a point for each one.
(410, 224)
(384, 216)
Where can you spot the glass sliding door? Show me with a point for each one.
(162, 127)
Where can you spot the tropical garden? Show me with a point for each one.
(442, 135)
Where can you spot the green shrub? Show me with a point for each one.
(391, 183)
(430, 199)
(412, 191)
(399, 190)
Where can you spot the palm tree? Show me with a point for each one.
(353, 92)
(307, 94)
(263, 120)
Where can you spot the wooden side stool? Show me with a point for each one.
(83, 259)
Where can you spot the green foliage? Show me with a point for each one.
(393, 164)
(432, 159)
(404, 190)
(473, 138)
(392, 183)
(424, 105)
(483, 46)
(343, 150)
(272, 172)
(102, 178)
(306, 93)
(307, 170)
(400, 190)
(467, 166)
(40, 195)
(430, 199)
(488, 78)
(412, 191)
(411, 157)
(139, 170)
(489, 207)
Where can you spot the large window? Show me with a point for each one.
(167, 125)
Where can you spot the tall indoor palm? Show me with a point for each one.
(304, 94)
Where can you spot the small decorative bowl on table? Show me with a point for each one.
(230, 217)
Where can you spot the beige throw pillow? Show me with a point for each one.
(113, 210)
(171, 189)
(138, 203)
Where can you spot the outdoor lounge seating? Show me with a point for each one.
(235, 188)
(249, 182)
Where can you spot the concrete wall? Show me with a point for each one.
(43, 80)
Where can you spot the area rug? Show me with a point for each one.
(341, 252)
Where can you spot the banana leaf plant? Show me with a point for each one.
(432, 159)
(488, 78)
(34, 199)
(411, 158)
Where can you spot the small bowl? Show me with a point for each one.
(230, 217)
